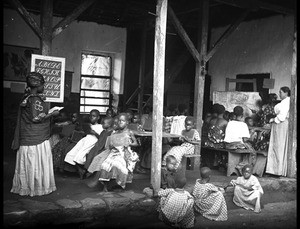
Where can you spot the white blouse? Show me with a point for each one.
(282, 110)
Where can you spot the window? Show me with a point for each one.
(95, 83)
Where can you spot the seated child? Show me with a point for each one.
(77, 155)
(168, 174)
(247, 190)
(107, 125)
(253, 134)
(136, 122)
(187, 147)
(209, 200)
(176, 206)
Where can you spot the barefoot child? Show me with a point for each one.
(209, 200)
(176, 206)
(77, 155)
(120, 161)
(187, 147)
(247, 190)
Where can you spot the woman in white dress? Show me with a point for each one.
(278, 146)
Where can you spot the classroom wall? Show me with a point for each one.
(258, 46)
(77, 37)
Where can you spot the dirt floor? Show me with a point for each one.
(279, 208)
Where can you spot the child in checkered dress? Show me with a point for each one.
(176, 206)
(209, 200)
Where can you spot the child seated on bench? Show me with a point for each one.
(190, 138)
(209, 200)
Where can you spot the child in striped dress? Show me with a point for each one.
(187, 147)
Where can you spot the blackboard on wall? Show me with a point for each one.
(53, 70)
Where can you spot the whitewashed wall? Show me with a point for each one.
(258, 46)
(77, 37)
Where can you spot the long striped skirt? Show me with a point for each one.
(34, 170)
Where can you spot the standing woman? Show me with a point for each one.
(277, 154)
(34, 166)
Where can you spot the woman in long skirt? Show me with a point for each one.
(278, 146)
(34, 165)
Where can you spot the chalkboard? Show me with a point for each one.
(230, 99)
(53, 70)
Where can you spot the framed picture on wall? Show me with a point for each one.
(16, 62)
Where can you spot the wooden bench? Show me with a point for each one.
(235, 157)
(184, 162)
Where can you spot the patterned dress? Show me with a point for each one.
(209, 201)
(117, 162)
(250, 200)
(185, 148)
(176, 208)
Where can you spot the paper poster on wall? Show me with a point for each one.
(230, 99)
(53, 70)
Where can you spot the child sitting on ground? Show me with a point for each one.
(176, 206)
(190, 137)
(247, 190)
(168, 173)
(209, 200)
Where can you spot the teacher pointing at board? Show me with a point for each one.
(34, 165)
(277, 153)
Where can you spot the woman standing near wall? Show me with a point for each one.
(277, 154)
(34, 167)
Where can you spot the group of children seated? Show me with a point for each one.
(109, 152)
(177, 206)
(231, 130)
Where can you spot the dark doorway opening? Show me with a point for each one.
(263, 92)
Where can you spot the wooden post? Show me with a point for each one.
(200, 78)
(158, 92)
(292, 140)
(142, 69)
(46, 24)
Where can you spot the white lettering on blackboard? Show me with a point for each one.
(51, 93)
(46, 64)
(51, 72)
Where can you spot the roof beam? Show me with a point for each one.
(255, 5)
(184, 36)
(27, 17)
(225, 35)
(71, 17)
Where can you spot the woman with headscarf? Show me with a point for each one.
(278, 146)
(34, 166)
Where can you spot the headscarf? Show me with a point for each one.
(33, 79)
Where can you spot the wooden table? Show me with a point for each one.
(149, 134)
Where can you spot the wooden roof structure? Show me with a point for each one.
(133, 13)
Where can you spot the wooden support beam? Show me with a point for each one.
(292, 132)
(158, 92)
(142, 68)
(27, 17)
(255, 5)
(46, 24)
(225, 35)
(200, 76)
(184, 36)
(71, 17)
